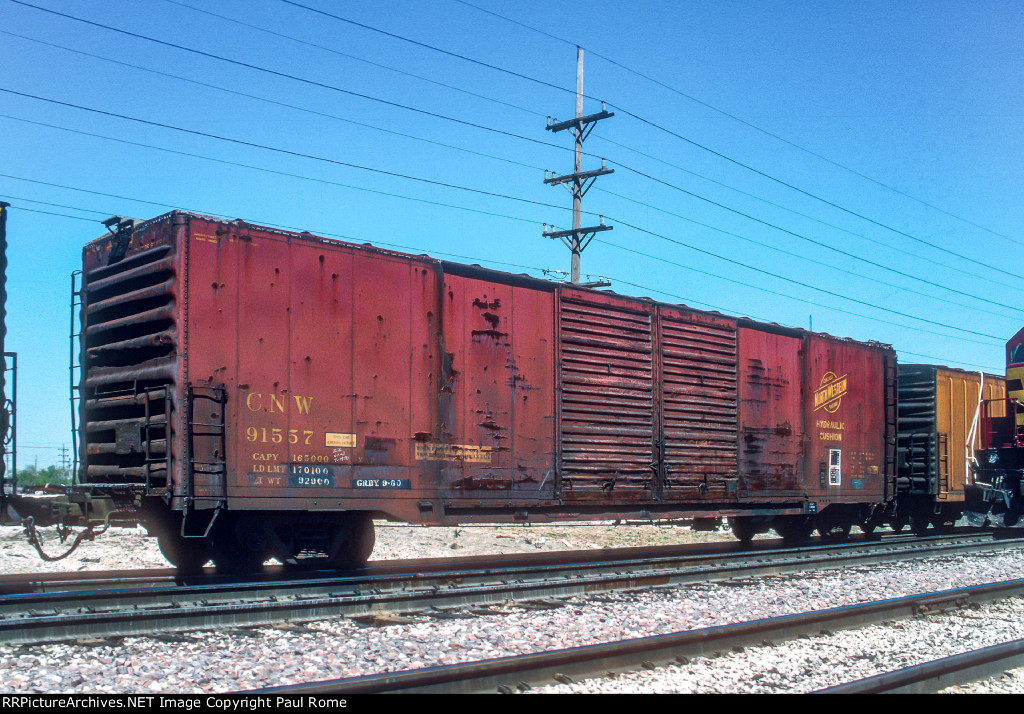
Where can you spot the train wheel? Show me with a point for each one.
(945, 522)
(793, 529)
(835, 526)
(919, 524)
(238, 547)
(188, 555)
(743, 528)
(352, 541)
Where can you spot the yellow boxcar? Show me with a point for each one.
(937, 428)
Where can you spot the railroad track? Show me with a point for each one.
(43, 609)
(934, 676)
(524, 672)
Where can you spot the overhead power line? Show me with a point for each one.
(820, 244)
(798, 256)
(447, 185)
(416, 249)
(279, 150)
(262, 169)
(806, 193)
(492, 194)
(433, 48)
(434, 114)
(425, 79)
(511, 161)
(292, 77)
(649, 123)
(769, 291)
(363, 60)
(267, 100)
(799, 282)
(739, 263)
(744, 122)
(319, 113)
(847, 231)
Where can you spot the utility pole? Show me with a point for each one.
(5, 421)
(580, 181)
(64, 465)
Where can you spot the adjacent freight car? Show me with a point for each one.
(250, 393)
(938, 433)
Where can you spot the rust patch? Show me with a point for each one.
(377, 451)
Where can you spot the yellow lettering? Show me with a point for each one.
(274, 404)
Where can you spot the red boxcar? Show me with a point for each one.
(264, 393)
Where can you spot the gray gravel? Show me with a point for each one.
(806, 665)
(239, 660)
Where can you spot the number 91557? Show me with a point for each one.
(275, 435)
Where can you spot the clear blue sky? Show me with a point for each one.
(837, 162)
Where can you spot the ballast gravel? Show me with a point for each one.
(236, 660)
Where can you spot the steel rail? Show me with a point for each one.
(118, 611)
(716, 554)
(523, 672)
(95, 580)
(931, 677)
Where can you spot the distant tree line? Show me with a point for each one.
(35, 476)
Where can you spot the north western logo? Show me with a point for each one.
(829, 395)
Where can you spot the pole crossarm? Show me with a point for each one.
(578, 233)
(581, 177)
(579, 124)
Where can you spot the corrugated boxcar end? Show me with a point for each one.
(129, 351)
(128, 356)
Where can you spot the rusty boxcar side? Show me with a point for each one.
(270, 390)
(817, 426)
